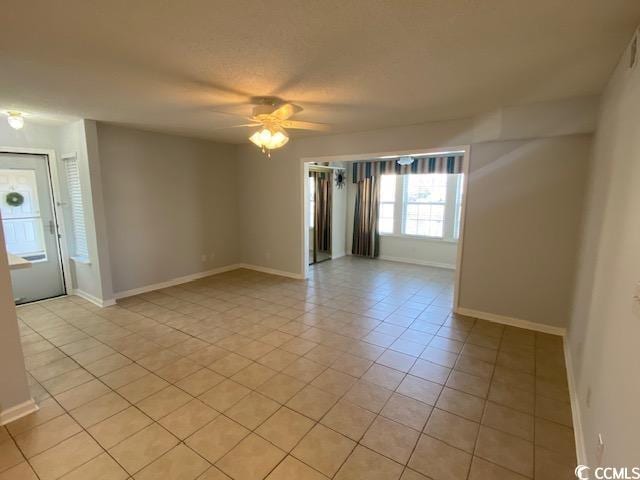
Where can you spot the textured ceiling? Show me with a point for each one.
(354, 64)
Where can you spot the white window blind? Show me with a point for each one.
(76, 208)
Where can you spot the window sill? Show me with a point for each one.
(419, 237)
(81, 260)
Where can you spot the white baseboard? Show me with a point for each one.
(18, 411)
(337, 255)
(514, 322)
(272, 271)
(411, 261)
(93, 299)
(581, 452)
(176, 281)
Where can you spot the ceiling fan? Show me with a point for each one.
(272, 117)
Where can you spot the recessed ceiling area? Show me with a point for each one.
(186, 67)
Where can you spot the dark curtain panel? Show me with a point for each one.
(366, 239)
(323, 211)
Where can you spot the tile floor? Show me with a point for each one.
(359, 373)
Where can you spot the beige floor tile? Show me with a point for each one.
(312, 402)
(452, 429)
(142, 448)
(409, 474)
(224, 395)
(364, 464)
(430, 371)
(200, 381)
(396, 360)
(188, 419)
(407, 411)
(554, 437)
(122, 376)
(9, 455)
(505, 450)
(333, 381)
(46, 435)
(518, 399)
(508, 420)
(483, 470)
(324, 449)
(180, 463)
(82, 394)
(252, 459)
(352, 365)
(164, 402)
(278, 359)
(293, 469)
(142, 388)
(551, 465)
(67, 381)
(178, 370)
(114, 429)
(369, 396)
(462, 404)
(439, 357)
(230, 364)
(102, 467)
(419, 389)
(252, 410)
(97, 410)
(107, 364)
(285, 428)
(390, 439)
(217, 438)
(553, 410)
(439, 461)
(281, 387)
(348, 419)
(213, 474)
(21, 471)
(53, 369)
(253, 375)
(65, 456)
(304, 370)
(383, 376)
(464, 382)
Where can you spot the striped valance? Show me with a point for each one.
(440, 164)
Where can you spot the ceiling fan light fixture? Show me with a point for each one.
(269, 138)
(15, 119)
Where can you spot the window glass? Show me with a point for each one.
(387, 203)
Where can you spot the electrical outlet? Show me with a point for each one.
(599, 449)
(635, 306)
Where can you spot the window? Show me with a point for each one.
(426, 197)
(423, 205)
(76, 208)
(387, 202)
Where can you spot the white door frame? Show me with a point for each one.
(56, 199)
(304, 197)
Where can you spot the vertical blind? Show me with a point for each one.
(76, 207)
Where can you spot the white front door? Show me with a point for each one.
(29, 225)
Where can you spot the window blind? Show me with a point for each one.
(76, 207)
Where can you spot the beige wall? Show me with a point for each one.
(271, 198)
(604, 333)
(169, 201)
(521, 232)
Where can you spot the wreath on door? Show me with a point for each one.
(14, 199)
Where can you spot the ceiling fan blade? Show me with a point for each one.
(239, 126)
(286, 111)
(323, 127)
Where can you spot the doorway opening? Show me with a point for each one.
(405, 208)
(320, 214)
(31, 227)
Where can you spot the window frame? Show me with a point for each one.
(452, 214)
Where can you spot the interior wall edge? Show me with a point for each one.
(581, 454)
(511, 321)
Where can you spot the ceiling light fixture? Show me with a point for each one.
(15, 119)
(405, 160)
(269, 138)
